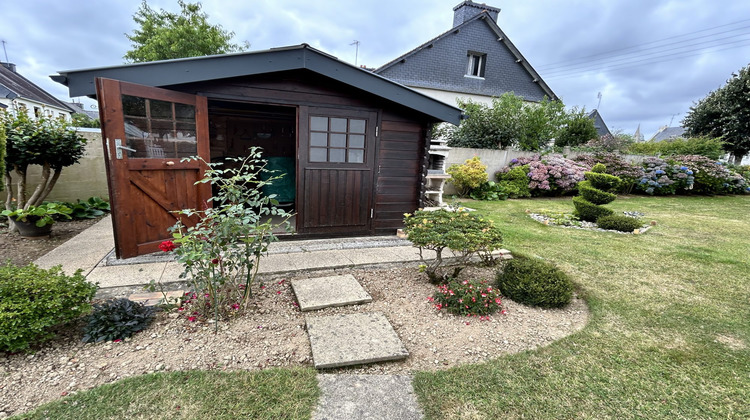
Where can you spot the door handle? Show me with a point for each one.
(119, 148)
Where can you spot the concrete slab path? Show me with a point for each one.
(367, 397)
(325, 292)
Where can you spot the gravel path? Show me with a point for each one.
(273, 334)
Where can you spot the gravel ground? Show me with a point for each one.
(273, 334)
(22, 251)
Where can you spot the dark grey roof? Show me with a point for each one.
(14, 85)
(78, 108)
(430, 79)
(668, 133)
(601, 126)
(196, 69)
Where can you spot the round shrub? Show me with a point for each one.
(534, 282)
(599, 168)
(619, 222)
(588, 211)
(468, 176)
(602, 181)
(467, 298)
(117, 319)
(32, 300)
(594, 195)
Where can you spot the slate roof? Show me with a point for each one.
(601, 126)
(78, 108)
(14, 85)
(668, 133)
(427, 78)
(189, 70)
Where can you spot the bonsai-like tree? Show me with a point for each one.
(49, 143)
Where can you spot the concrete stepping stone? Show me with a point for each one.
(382, 397)
(353, 339)
(323, 292)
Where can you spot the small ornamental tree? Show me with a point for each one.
(594, 192)
(465, 234)
(3, 136)
(49, 143)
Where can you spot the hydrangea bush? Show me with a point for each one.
(630, 174)
(550, 174)
(661, 177)
(711, 176)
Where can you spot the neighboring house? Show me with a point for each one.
(473, 60)
(668, 133)
(352, 143)
(19, 93)
(78, 108)
(601, 127)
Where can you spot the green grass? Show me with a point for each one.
(669, 335)
(267, 394)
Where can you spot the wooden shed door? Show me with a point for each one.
(337, 157)
(146, 132)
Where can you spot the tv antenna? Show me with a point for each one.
(600, 100)
(356, 51)
(672, 119)
(6, 52)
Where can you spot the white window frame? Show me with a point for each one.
(481, 67)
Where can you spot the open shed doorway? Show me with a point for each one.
(234, 127)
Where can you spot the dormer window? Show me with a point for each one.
(477, 63)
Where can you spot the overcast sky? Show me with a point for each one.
(650, 59)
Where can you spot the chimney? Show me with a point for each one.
(468, 9)
(9, 66)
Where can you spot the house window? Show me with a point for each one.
(477, 63)
(338, 140)
(37, 111)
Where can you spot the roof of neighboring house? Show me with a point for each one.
(668, 133)
(13, 85)
(601, 126)
(427, 78)
(190, 70)
(79, 109)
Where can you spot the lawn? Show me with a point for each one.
(669, 335)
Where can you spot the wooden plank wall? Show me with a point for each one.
(400, 160)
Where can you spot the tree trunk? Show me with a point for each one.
(50, 185)
(8, 191)
(738, 158)
(21, 188)
(34, 200)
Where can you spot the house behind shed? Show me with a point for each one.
(351, 143)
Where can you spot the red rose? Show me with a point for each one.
(167, 246)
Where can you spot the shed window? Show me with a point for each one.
(159, 129)
(338, 140)
(477, 64)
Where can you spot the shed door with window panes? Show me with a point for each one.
(338, 161)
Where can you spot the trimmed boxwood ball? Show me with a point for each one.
(590, 212)
(619, 222)
(534, 282)
(599, 168)
(594, 195)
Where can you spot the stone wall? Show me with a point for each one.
(85, 179)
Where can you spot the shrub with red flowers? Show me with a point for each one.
(468, 298)
(551, 174)
(221, 253)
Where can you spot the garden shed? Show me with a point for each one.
(352, 143)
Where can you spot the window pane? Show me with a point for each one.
(161, 109)
(319, 139)
(356, 126)
(184, 112)
(319, 123)
(338, 140)
(338, 124)
(318, 154)
(337, 155)
(356, 155)
(357, 140)
(133, 106)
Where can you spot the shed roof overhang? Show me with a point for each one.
(198, 69)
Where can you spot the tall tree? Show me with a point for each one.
(164, 35)
(725, 113)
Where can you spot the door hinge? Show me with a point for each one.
(377, 130)
(372, 213)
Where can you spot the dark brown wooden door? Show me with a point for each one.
(337, 160)
(146, 132)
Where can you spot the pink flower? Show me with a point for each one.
(117, 340)
(191, 318)
(215, 261)
(278, 292)
(504, 312)
(235, 306)
(180, 309)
